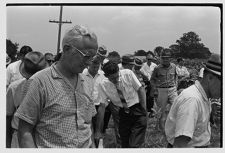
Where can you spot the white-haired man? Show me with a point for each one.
(57, 109)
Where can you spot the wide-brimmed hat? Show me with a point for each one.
(214, 64)
(102, 51)
(32, 63)
(138, 62)
(128, 59)
(166, 53)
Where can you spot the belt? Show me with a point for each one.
(167, 87)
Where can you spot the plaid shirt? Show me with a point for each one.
(61, 113)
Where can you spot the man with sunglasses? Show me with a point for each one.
(188, 122)
(57, 109)
(147, 70)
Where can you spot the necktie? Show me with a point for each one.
(122, 99)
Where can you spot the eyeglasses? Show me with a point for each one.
(84, 55)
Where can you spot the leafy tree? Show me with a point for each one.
(190, 46)
(11, 49)
(158, 50)
(140, 52)
(175, 50)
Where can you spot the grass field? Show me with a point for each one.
(154, 138)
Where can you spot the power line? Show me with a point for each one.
(60, 22)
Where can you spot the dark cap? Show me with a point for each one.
(32, 63)
(128, 59)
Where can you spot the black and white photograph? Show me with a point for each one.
(113, 75)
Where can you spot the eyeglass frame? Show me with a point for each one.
(84, 55)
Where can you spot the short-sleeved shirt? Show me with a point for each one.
(165, 77)
(189, 116)
(140, 77)
(61, 113)
(14, 96)
(128, 84)
(93, 81)
(182, 71)
(148, 70)
(13, 73)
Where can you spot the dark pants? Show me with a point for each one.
(106, 118)
(94, 119)
(149, 99)
(114, 110)
(132, 126)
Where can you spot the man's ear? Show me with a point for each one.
(66, 48)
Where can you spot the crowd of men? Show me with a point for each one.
(67, 101)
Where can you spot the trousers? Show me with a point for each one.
(132, 126)
(166, 97)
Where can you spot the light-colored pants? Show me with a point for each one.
(166, 97)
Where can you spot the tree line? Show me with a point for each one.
(187, 46)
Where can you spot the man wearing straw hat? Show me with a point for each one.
(32, 63)
(137, 66)
(57, 109)
(188, 122)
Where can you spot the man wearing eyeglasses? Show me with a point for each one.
(57, 109)
(147, 70)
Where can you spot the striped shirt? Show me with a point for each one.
(61, 113)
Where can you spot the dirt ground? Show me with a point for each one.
(154, 138)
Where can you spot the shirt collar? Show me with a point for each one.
(86, 72)
(57, 75)
(201, 90)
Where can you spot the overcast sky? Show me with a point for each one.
(121, 28)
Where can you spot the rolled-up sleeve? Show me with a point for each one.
(187, 116)
(30, 108)
(135, 82)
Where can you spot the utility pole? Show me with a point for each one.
(60, 22)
